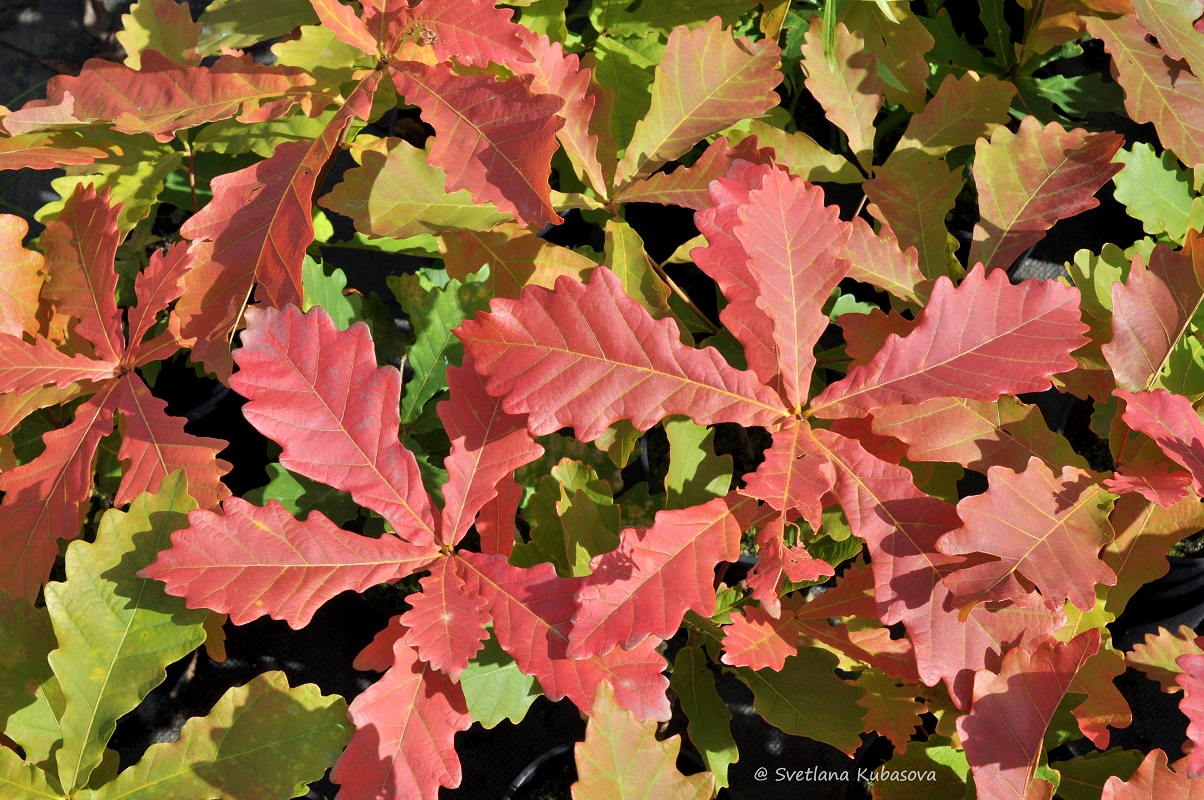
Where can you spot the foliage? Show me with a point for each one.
(486, 454)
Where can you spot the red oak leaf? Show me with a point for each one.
(531, 611)
(845, 81)
(901, 526)
(793, 243)
(43, 498)
(495, 521)
(725, 261)
(912, 193)
(471, 31)
(1030, 179)
(975, 433)
(1157, 89)
(965, 346)
(163, 97)
(341, 20)
(865, 334)
(1152, 309)
(1192, 704)
(645, 586)
(405, 728)
(20, 274)
(795, 475)
(26, 366)
(1159, 482)
(1045, 527)
(1154, 780)
(1173, 424)
(494, 138)
(378, 655)
(487, 445)
(689, 186)
(259, 221)
(603, 359)
(758, 641)
(250, 561)
(776, 560)
(1004, 731)
(318, 393)
(1157, 654)
(46, 151)
(560, 74)
(446, 623)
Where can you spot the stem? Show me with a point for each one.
(685, 298)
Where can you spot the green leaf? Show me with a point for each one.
(696, 475)
(134, 175)
(434, 313)
(1083, 777)
(627, 16)
(1079, 95)
(494, 688)
(317, 50)
(625, 255)
(786, 699)
(395, 193)
(1154, 190)
(546, 17)
(625, 66)
(231, 137)
(1094, 276)
(951, 52)
(324, 287)
(618, 442)
(1184, 371)
(573, 518)
(261, 740)
(117, 632)
(30, 698)
(299, 495)
(21, 781)
(999, 33)
(709, 720)
(160, 25)
(952, 772)
(241, 23)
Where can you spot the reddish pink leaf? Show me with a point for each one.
(43, 498)
(405, 728)
(1004, 730)
(163, 97)
(446, 623)
(878, 259)
(865, 334)
(471, 31)
(1157, 89)
(846, 83)
(80, 243)
(1192, 704)
(157, 286)
(1030, 179)
(795, 475)
(776, 560)
(378, 655)
(1159, 482)
(1154, 780)
(975, 433)
(725, 260)
(793, 242)
(1173, 424)
(317, 392)
(965, 346)
(1045, 527)
(603, 359)
(260, 221)
(688, 186)
(487, 445)
(1151, 310)
(495, 521)
(901, 525)
(531, 609)
(20, 277)
(493, 138)
(560, 74)
(758, 641)
(645, 586)
(155, 445)
(249, 562)
(25, 367)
